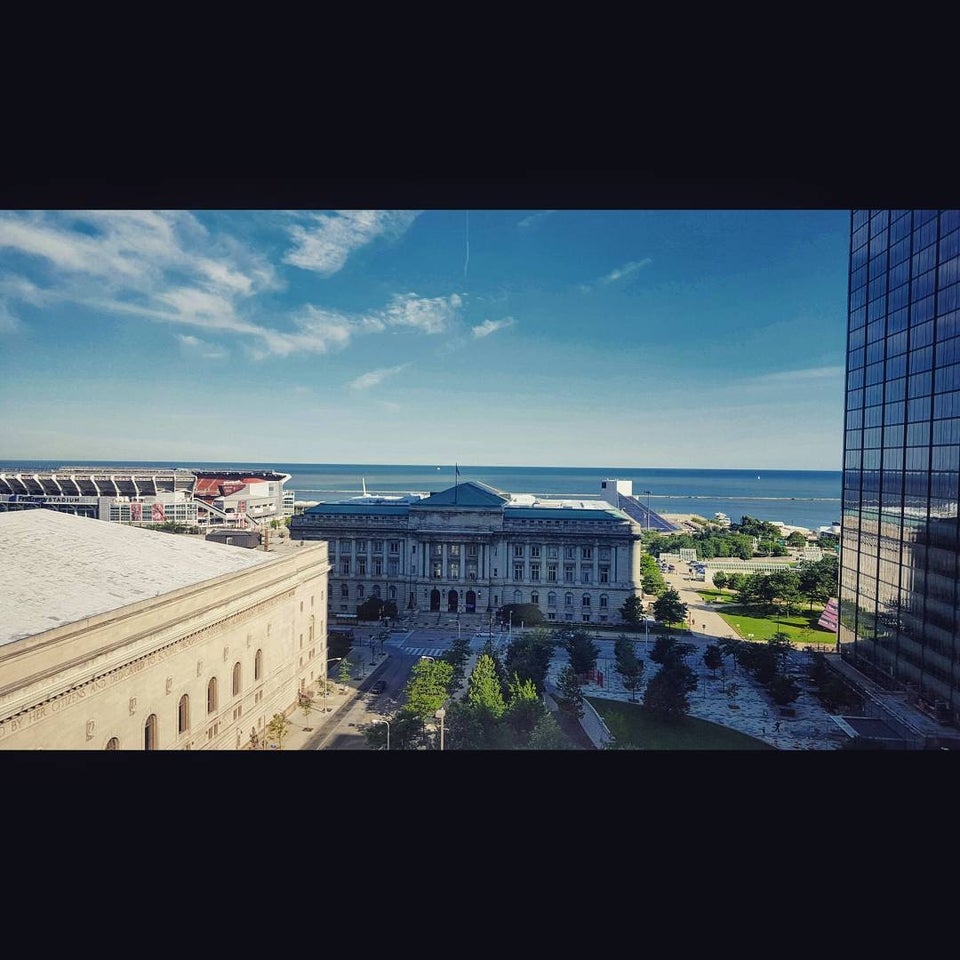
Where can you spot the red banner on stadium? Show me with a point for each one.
(157, 513)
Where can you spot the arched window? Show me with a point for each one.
(586, 600)
(236, 679)
(603, 600)
(392, 593)
(344, 590)
(535, 599)
(517, 597)
(258, 665)
(183, 714)
(551, 599)
(568, 599)
(150, 733)
(212, 695)
(360, 591)
(113, 744)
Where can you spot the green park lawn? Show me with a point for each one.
(800, 627)
(634, 726)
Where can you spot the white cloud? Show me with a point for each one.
(324, 245)
(534, 219)
(628, 268)
(491, 326)
(8, 322)
(195, 346)
(374, 377)
(429, 315)
(801, 376)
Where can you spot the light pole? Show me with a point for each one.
(440, 714)
(510, 628)
(387, 722)
(647, 492)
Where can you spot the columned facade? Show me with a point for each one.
(471, 549)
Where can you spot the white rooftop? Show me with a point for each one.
(59, 568)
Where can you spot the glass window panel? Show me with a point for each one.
(878, 308)
(921, 359)
(896, 366)
(947, 378)
(855, 379)
(896, 389)
(948, 300)
(893, 435)
(921, 310)
(873, 416)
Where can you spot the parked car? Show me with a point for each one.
(378, 687)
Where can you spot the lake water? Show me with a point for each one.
(805, 498)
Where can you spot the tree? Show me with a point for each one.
(277, 728)
(457, 655)
(583, 652)
(528, 657)
(666, 693)
(426, 690)
(375, 608)
(632, 609)
(524, 709)
(628, 665)
(547, 735)
(484, 690)
(569, 696)
(720, 579)
(797, 539)
(669, 608)
(712, 658)
(528, 614)
(343, 674)
(667, 650)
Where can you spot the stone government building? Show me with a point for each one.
(118, 638)
(471, 548)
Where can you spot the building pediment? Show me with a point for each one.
(470, 493)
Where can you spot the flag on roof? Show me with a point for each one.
(828, 619)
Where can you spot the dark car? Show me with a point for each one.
(379, 687)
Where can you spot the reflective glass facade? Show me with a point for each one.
(899, 607)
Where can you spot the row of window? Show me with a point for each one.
(361, 591)
(453, 550)
(376, 569)
(585, 599)
(360, 546)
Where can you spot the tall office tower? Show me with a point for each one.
(899, 603)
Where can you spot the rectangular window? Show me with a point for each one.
(553, 553)
(587, 553)
(378, 568)
(378, 546)
(603, 553)
(345, 567)
(437, 570)
(454, 550)
(568, 574)
(454, 569)
(535, 552)
(346, 546)
(604, 574)
(394, 546)
(518, 549)
(552, 572)
(518, 571)
(534, 571)
(586, 574)
(471, 549)
(361, 566)
(361, 546)
(570, 553)
(393, 567)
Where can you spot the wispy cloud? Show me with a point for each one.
(325, 243)
(8, 322)
(618, 273)
(491, 326)
(195, 346)
(374, 377)
(535, 218)
(801, 376)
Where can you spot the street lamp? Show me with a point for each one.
(387, 722)
(440, 714)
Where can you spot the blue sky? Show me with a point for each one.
(639, 338)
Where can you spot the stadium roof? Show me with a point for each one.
(60, 568)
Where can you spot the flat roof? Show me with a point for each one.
(59, 568)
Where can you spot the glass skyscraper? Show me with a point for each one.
(898, 592)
